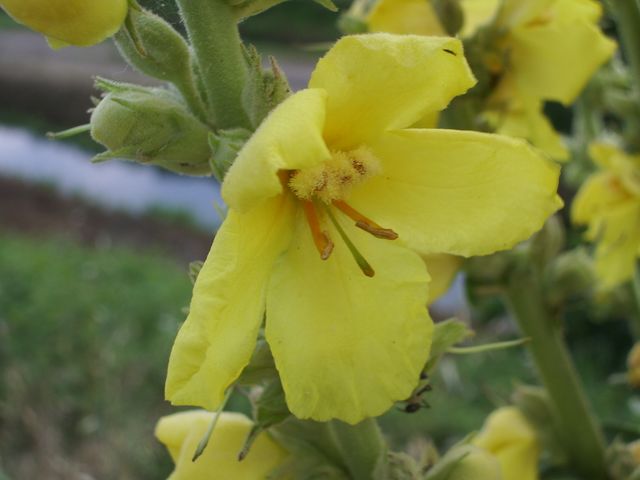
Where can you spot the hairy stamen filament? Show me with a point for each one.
(320, 237)
(365, 223)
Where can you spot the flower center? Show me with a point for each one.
(322, 188)
(333, 179)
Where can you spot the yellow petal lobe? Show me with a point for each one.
(379, 81)
(216, 341)
(290, 138)
(459, 192)
(346, 345)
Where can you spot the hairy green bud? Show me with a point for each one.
(150, 126)
(155, 48)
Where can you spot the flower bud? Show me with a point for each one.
(69, 22)
(151, 126)
(182, 432)
(508, 435)
(633, 365)
(571, 274)
(154, 47)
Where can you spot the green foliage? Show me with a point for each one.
(84, 341)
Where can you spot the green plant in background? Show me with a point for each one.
(313, 336)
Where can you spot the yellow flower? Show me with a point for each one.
(348, 341)
(73, 22)
(609, 203)
(552, 47)
(543, 50)
(507, 435)
(181, 433)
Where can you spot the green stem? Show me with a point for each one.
(362, 448)
(581, 435)
(627, 15)
(213, 32)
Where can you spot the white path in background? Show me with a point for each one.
(114, 184)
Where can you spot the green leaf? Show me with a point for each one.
(488, 347)
(445, 335)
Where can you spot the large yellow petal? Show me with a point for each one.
(74, 22)
(347, 346)
(404, 17)
(517, 12)
(615, 160)
(442, 270)
(554, 60)
(459, 192)
(227, 308)
(380, 81)
(181, 433)
(290, 138)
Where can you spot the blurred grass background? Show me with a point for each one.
(86, 330)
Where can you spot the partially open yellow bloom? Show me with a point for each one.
(609, 203)
(543, 50)
(508, 435)
(331, 202)
(181, 433)
(73, 22)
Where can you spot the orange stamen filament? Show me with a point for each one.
(320, 238)
(365, 223)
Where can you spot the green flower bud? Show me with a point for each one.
(155, 48)
(150, 126)
(571, 274)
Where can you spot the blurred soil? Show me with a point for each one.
(37, 80)
(37, 210)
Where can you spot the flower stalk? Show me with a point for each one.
(213, 32)
(627, 15)
(581, 435)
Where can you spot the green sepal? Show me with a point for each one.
(445, 335)
(261, 367)
(269, 408)
(150, 126)
(264, 89)
(225, 145)
(194, 270)
(403, 467)
(155, 48)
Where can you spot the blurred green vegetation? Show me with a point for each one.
(84, 341)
